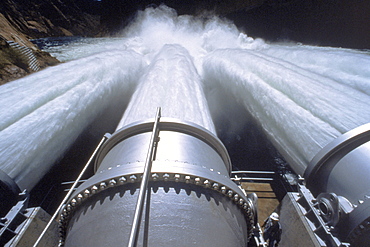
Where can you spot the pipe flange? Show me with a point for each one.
(327, 158)
(328, 204)
(237, 197)
(166, 124)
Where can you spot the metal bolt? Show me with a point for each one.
(94, 189)
(241, 201)
(122, 180)
(207, 184)
(215, 186)
(166, 177)
(133, 178)
(236, 197)
(61, 243)
(112, 183)
(155, 176)
(187, 179)
(223, 190)
(103, 185)
(197, 181)
(79, 197)
(177, 177)
(230, 193)
(86, 193)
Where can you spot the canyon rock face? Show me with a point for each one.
(22, 20)
(43, 18)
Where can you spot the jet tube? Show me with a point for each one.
(339, 178)
(190, 197)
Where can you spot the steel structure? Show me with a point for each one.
(189, 199)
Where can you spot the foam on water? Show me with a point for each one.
(345, 66)
(302, 96)
(42, 114)
(300, 111)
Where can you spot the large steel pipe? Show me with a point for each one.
(341, 170)
(190, 201)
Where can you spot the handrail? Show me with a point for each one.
(70, 190)
(144, 182)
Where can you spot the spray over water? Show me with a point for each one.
(302, 96)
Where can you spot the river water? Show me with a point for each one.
(302, 97)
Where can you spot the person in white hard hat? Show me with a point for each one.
(272, 230)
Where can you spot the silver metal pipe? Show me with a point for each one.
(190, 194)
(339, 177)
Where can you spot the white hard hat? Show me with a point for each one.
(274, 216)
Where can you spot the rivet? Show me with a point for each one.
(155, 176)
(166, 177)
(86, 193)
(177, 177)
(94, 189)
(241, 201)
(112, 183)
(73, 202)
(230, 193)
(69, 207)
(207, 184)
(109, 168)
(360, 201)
(215, 186)
(223, 190)
(122, 180)
(133, 178)
(197, 181)
(79, 197)
(245, 206)
(103, 185)
(236, 197)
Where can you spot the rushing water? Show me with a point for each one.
(302, 96)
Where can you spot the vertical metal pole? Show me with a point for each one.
(144, 182)
(71, 190)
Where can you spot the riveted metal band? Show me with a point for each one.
(229, 190)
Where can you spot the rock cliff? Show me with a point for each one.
(22, 20)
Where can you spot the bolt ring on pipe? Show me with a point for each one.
(115, 177)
